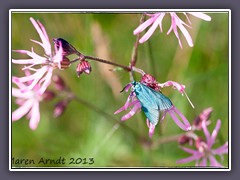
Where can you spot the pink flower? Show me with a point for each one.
(155, 20)
(28, 104)
(47, 62)
(204, 150)
(135, 105)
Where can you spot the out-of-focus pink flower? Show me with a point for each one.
(135, 105)
(204, 150)
(28, 104)
(47, 62)
(155, 20)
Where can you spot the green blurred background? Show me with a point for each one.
(82, 132)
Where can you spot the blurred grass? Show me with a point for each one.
(82, 132)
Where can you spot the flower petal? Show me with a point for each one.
(189, 159)
(200, 15)
(214, 162)
(150, 31)
(22, 110)
(221, 150)
(215, 132)
(132, 112)
(35, 116)
(43, 35)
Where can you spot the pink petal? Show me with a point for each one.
(215, 132)
(186, 35)
(35, 116)
(47, 81)
(221, 150)
(42, 33)
(203, 163)
(160, 19)
(58, 57)
(200, 15)
(143, 26)
(37, 42)
(150, 31)
(189, 159)
(188, 150)
(35, 76)
(177, 121)
(151, 129)
(185, 121)
(38, 75)
(123, 108)
(214, 162)
(185, 125)
(132, 112)
(43, 30)
(179, 87)
(206, 132)
(17, 93)
(23, 61)
(22, 110)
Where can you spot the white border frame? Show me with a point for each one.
(115, 11)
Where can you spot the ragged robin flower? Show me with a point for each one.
(46, 63)
(155, 20)
(28, 103)
(204, 149)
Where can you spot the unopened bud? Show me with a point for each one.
(185, 140)
(204, 116)
(83, 66)
(58, 82)
(48, 95)
(150, 81)
(65, 63)
(60, 108)
(68, 49)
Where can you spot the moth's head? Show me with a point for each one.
(134, 83)
(135, 86)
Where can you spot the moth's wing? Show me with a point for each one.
(163, 102)
(148, 102)
(157, 99)
(151, 113)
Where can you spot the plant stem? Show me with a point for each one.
(135, 48)
(102, 61)
(164, 140)
(108, 62)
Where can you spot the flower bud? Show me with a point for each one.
(65, 63)
(204, 116)
(150, 81)
(83, 66)
(60, 108)
(185, 140)
(48, 95)
(68, 49)
(58, 82)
